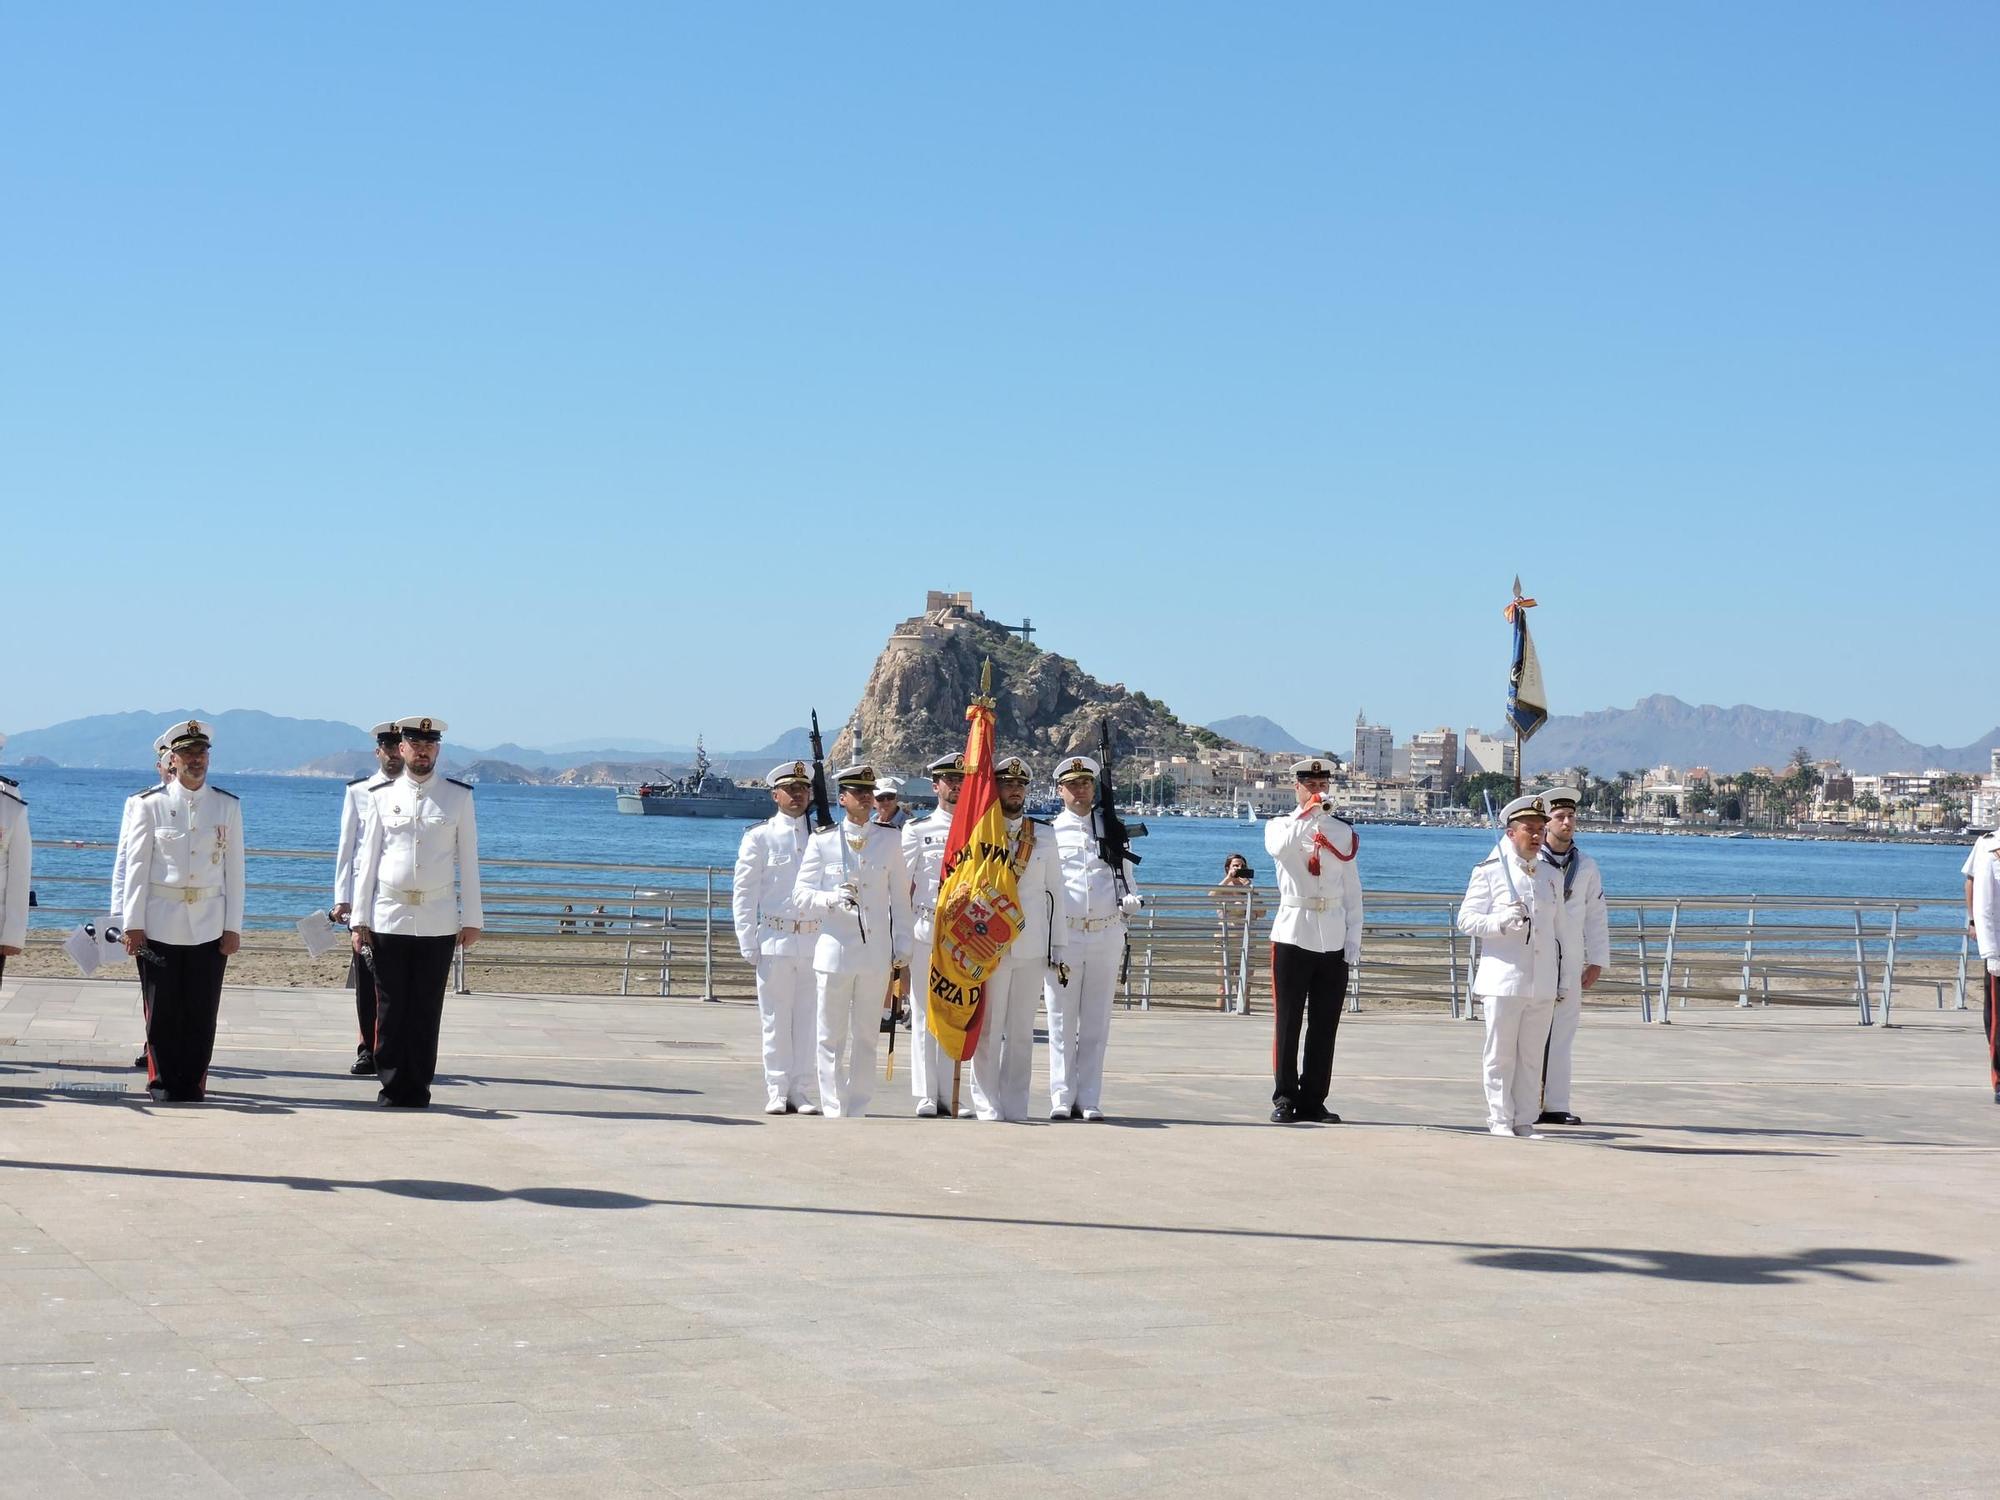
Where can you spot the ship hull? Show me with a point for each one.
(748, 808)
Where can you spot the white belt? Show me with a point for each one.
(1306, 903)
(1090, 924)
(415, 898)
(192, 894)
(779, 924)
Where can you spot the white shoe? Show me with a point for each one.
(1093, 1114)
(774, 1105)
(807, 1107)
(1059, 1113)
(966, 1111)
(927, 1109)
(990, 1115)
(1506, 1130)
(1528, 1133)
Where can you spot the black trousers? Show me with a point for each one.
(410, 976)
(361, 979)
(182, 994)
(1307, 990)
(1992, 1019)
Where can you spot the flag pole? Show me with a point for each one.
(985, 698)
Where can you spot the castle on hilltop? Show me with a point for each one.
(946, 613)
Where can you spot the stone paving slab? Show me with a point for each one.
(597, 1269)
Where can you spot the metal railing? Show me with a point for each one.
(665, 930)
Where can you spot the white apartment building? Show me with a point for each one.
(1374, 746)
(1434, 759)
(1488, 754)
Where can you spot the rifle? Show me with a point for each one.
(822, 813)
(1114, 839)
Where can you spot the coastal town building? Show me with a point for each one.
(1434, 759)
(1373, 747)
(1488, 754)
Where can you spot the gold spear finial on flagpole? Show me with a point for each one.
(985, 698)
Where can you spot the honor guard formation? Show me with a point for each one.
(834, 919)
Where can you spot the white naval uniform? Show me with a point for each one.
(854, 951)
(777, 938)
(1982, 868)
(1583, 895)
(412, 834)
(1320, 913)
(923, 855)
(1518, 976)
(1080, 1015)
(353, 806)
(1003, 1063)
(17, 853)
(183, 867)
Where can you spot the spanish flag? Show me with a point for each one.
(978, 907)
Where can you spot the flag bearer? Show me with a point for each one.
(1315, 942)
(388, 766)
(1100, 901)
(923, 856)
(776, 938)
(17, 853)
(1514, 906)
(408, 915)
(853, 875)
(1583, 899)
(182, 896)
(1003, 1062)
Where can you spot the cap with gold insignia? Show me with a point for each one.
(1530, 806)
(1312, 765)
(791, 773)
(387, 732)
(186, 735)
(416, 727)
(1559, 796)
(1076, 768)
(947, 765)
(159, 744)
(858, 777)
(889, 786)
(1012, 768)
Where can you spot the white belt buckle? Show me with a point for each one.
(413, 898)
(190, 895)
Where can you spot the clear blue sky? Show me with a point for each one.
(579, 370)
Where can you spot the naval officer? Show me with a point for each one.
(1099, 902)
(1983, 878)
(853, 875)
(1003, 1062)
(923, 855)
(776, 939)
(889, 809)
(1514, 906)
(163, 762)
(388, 766)
(407, 916)
(1581, 964)
(182, 900)
(17, 854)
(1315, 941)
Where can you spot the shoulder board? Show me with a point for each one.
(10, 794)
(1491, 859)
(456, 782)
(8, 781)
(376, 786)
(1039, 822)
(223, 791)
(356, 780)
(152, 791)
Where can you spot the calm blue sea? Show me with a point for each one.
(564, 826)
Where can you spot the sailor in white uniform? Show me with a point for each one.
(776, 938)
(1514, 906)
(889, 809)
(853, 875)
(1315, 942)
(182, 911)
(1982, 880)
(409, 915)
(1582, 964)
(1100, 902)
(17, 856)
(361, 978)
(923, 855)
(163, 762)
(1003, 1062)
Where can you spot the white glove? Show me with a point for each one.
(1129, 905)
(1993, 965)
(849, 896)
(749, 956)
(1517, 919)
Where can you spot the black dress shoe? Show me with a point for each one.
(1076, 1111)
(1320, 1115)
(1556, 1117)
(364, 1066)
(1283, 1114)
(140, 1062)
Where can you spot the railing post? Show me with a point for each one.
(457, 972)
(1645, 983)
(667, 950)
(1451, 938)
(1667, 967)
(1749, 948)
(1964, 947)
(708, 939)
(1146, 984)
(1243, 959)
(1861, 972)
(625, 973)
(1889, 965)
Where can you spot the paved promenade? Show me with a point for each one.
(1770, 1265)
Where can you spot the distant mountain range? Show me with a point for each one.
(1662, 730)
(1259, 732)
(248, 739)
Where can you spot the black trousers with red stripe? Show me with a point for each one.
(410, 976)
(183, 993)
(1992, 1019)
(1308, 990)
(361, 979)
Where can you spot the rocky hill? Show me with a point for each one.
(1046, 706)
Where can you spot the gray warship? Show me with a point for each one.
(695, 795)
